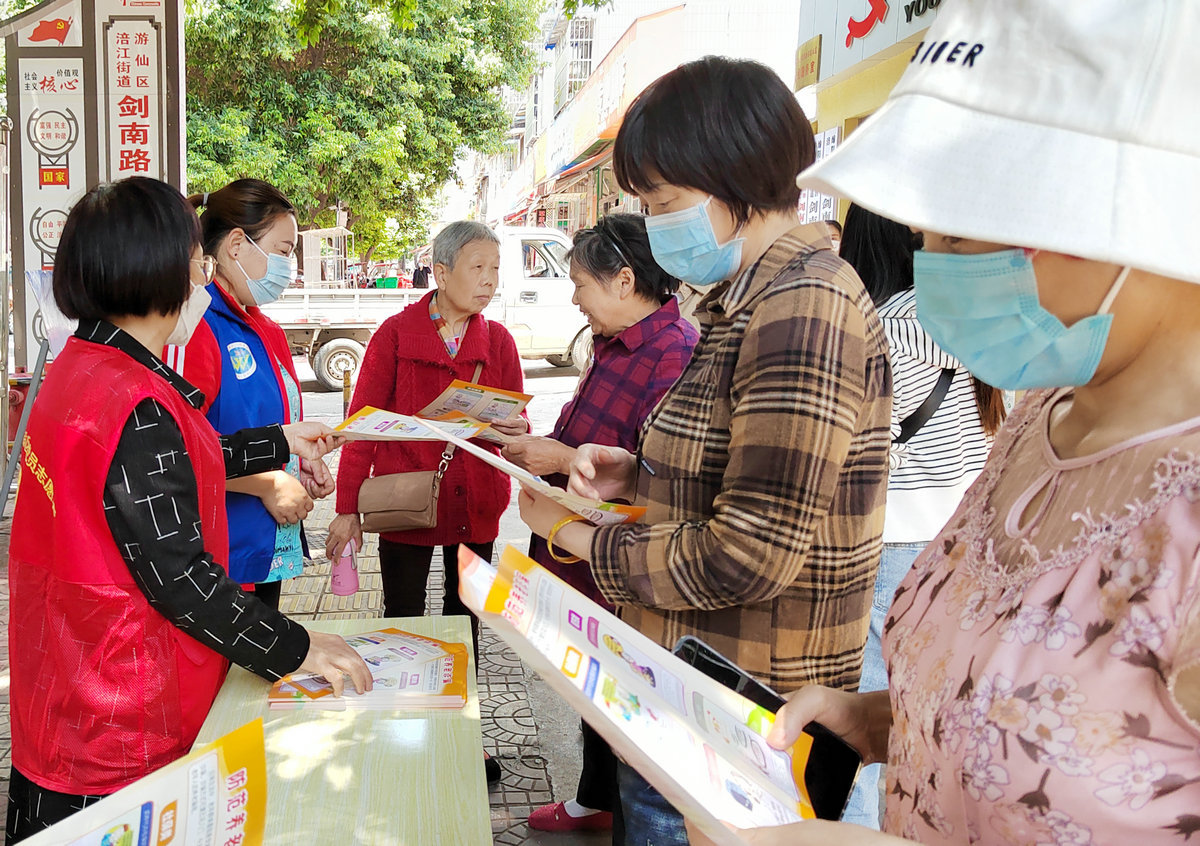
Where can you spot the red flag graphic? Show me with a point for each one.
(55, 30)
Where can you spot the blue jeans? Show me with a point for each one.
(863, 807)
(650, 820)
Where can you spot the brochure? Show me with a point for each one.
(699, 743)
(410, 671)
(467, 402)
(371, 424)
(376, 425)
(214, 796)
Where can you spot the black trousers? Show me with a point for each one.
(598, 780)
(32, 808)
(404, 569)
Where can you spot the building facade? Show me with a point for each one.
(851, 54)
(556, 169)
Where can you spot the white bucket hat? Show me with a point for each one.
(1065, 125)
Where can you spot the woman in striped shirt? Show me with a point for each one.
(943, 420)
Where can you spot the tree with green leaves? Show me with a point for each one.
(371, 115)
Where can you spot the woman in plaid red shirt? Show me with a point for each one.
(642, 344)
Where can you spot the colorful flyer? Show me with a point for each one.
(374, 424)
(409, 671)
(217, 795)
(700, 744)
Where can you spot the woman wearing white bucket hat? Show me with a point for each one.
(1044, 652)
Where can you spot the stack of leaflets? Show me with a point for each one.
(410, 671)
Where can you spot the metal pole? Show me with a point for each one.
(10, 469)
(6, 126)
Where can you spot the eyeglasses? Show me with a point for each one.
(208, 265)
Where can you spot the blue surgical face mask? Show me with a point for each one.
(984, 311)
(281, 272)
(685, 246)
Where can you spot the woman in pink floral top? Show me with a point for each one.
(1044, 651)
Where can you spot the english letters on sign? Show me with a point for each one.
(918, 8)
(949, 52)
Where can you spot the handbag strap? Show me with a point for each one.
(448, 452)
(920, 417)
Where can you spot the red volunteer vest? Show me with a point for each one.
(104, 688)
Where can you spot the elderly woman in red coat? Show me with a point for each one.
(412, 358)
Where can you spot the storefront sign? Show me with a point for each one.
(814, 205)
(852, 31)
(860, 28)
(96, 92)
(808, 62)
(917, 8)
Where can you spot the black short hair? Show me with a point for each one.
(618, 241)
(833, 223)
(728, 127)
(880, 251)
(251, 205)
(126, 249)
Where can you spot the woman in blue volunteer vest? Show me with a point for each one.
(123, 618)
(240, 359)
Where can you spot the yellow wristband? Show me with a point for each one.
(572, 559)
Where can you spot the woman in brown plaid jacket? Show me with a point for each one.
(764, 469)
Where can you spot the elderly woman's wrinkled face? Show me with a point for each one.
(470, 284)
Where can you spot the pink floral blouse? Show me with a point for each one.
(1034, 647)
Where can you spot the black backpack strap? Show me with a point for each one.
(913, 423)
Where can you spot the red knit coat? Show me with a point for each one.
(405, 368)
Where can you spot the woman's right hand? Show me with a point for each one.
(343, 528)
(287, 500)
(861, 719)
(331, 657)
(540, 456)
(603, 472)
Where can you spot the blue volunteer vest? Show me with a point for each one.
(250, 396)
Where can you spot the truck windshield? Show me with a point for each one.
(558, 252)
(541, 261)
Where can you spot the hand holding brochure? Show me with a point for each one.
(374, 424)
(699, 743)
(467, 402)
(410, 671)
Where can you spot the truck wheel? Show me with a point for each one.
(581, 349)
(335, 358)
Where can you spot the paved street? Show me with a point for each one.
(525, 725)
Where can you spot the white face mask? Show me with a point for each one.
(190, 314)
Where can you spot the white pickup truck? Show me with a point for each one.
(331, 326)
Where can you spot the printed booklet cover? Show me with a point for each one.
(410, 671)
(700, 744)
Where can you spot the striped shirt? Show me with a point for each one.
(931, 472)
(764, 473)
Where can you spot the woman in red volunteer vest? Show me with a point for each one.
(123, 618)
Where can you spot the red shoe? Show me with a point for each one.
(555, 818)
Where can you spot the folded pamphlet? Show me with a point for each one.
(410, 671)
(376, 425)
(702, 745)
(467, 402)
